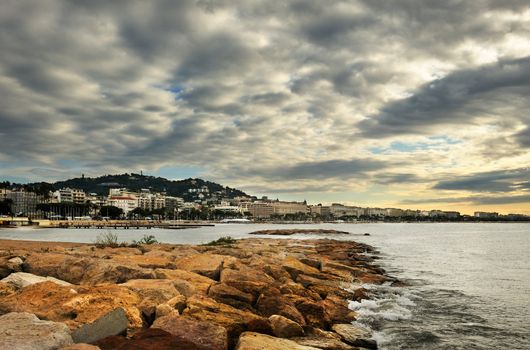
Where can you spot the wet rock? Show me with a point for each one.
(24, 279)
(355, 335)
(337, 309)
(202, 333)
(186, 282)
(256, 341)
(112, 323)
(24, 331)
(360, 294)
(232, 296)
(74, 307)
(283, 327)
(209, 265)
(371, 278)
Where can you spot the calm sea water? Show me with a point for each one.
(469, 284)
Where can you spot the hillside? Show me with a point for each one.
(136, 182)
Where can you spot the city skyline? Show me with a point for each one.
(407, 104)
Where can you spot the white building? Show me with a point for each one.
(125, 203)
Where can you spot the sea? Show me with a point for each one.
(467, 285)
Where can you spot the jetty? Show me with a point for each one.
(120, 224)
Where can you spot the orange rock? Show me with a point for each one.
(209, 265)
(283, 327)
(78, 270)
(235, 321)
(295, 267)
(272, 302)
(76, 307)
(224, 293)
(195, 283)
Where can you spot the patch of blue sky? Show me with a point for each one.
(176, 90)
(237, 122)
(411, 147)
(175, 173)
(445, 139)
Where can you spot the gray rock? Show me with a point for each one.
(112, 323)
(24, 279)
(24, 331)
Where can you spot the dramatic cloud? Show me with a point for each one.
(493, 181)
(352, 100)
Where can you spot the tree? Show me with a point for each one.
(5, 207)
(138, 213)
(111, 211)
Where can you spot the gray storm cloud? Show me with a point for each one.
(264, 91)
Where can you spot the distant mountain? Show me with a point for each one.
(136, 182)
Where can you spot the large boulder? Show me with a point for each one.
(355, 335)
(205, 334)
(83, 270)
(235, 321)
(314, 313)
(209, 265)
(186, 282)
(112, 323)
(24, 331)
(247, 279)
(75, 307)
(282, 327)
(152, 293)
(337, 309)
(256, 341)
(24, 279)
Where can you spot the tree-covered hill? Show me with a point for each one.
(136, 182)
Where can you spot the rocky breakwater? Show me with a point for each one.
(251, 294)
(295, 231)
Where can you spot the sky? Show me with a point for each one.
(404, 103)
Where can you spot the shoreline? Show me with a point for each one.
(283, 292)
